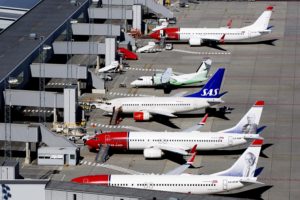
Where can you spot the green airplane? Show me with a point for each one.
(168, 78)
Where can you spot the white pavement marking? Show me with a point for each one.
(120, 169)
(201, 53)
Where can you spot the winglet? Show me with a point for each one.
(257, 143)
(203, 121)
(229, 23)
(193, 150)
(260, 129)
(269, 8)
(222, 40)
(191, 159)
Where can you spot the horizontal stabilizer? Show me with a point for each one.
(258, 171)
(260, 129)
(251, 182)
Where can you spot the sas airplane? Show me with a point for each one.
(242, 173)
(198, 36)
(154, 144)
(168, 78)
(143, 108)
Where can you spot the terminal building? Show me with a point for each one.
(47, 61)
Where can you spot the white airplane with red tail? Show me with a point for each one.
(198, 36)
(242, 173)
(154, 144)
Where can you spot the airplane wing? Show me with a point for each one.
(165, 78)
(182, 168)
(180, 94)
(198, 126)
(181, 151)
(213, 38)
(161, 112)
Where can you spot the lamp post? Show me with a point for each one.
(7, 145)
(42, 75)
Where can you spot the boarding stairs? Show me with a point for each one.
(116, 116)
(102, 155)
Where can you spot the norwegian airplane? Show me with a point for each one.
(144, 107)
(198, 36)
(154, 144)
(168, 78)
(242, 173)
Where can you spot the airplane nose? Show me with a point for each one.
(102, 179)
(155, 35)
(133, 83)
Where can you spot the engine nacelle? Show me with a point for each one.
(153, 153)
(195, 41)
(141, 116)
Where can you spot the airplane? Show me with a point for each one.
(198, 36)
(154, 144)
(168, 78)
(114, 66)
(149, 48)
(242, 173)
(143, 108)
(163, 25)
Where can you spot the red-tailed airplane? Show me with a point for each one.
(242, 173)
(198, 36)
(154, 144)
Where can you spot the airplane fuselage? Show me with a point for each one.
(160, 104)
(185, 183)
(185, 79)
(174, 140)
(231, 34)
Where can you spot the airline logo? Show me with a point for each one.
(210, 92)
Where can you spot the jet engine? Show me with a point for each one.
(153, 153)
(195, 41)
(141, 116)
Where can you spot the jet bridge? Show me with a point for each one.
(110, 13)
(43, 99)
(96, 29)
(47, 70)
(151, 4)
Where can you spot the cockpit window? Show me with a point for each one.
(140, 79)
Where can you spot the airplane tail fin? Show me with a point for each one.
(246, 164)
(262, 22)
(212, 88)
(249, 123)
(205, 66)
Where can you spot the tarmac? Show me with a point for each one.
(259, 69)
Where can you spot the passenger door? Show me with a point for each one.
(225, 184)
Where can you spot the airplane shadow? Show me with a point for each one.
(212, 112)
(179, 159)
(255, 193)
(216, 45)
(223, 152)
